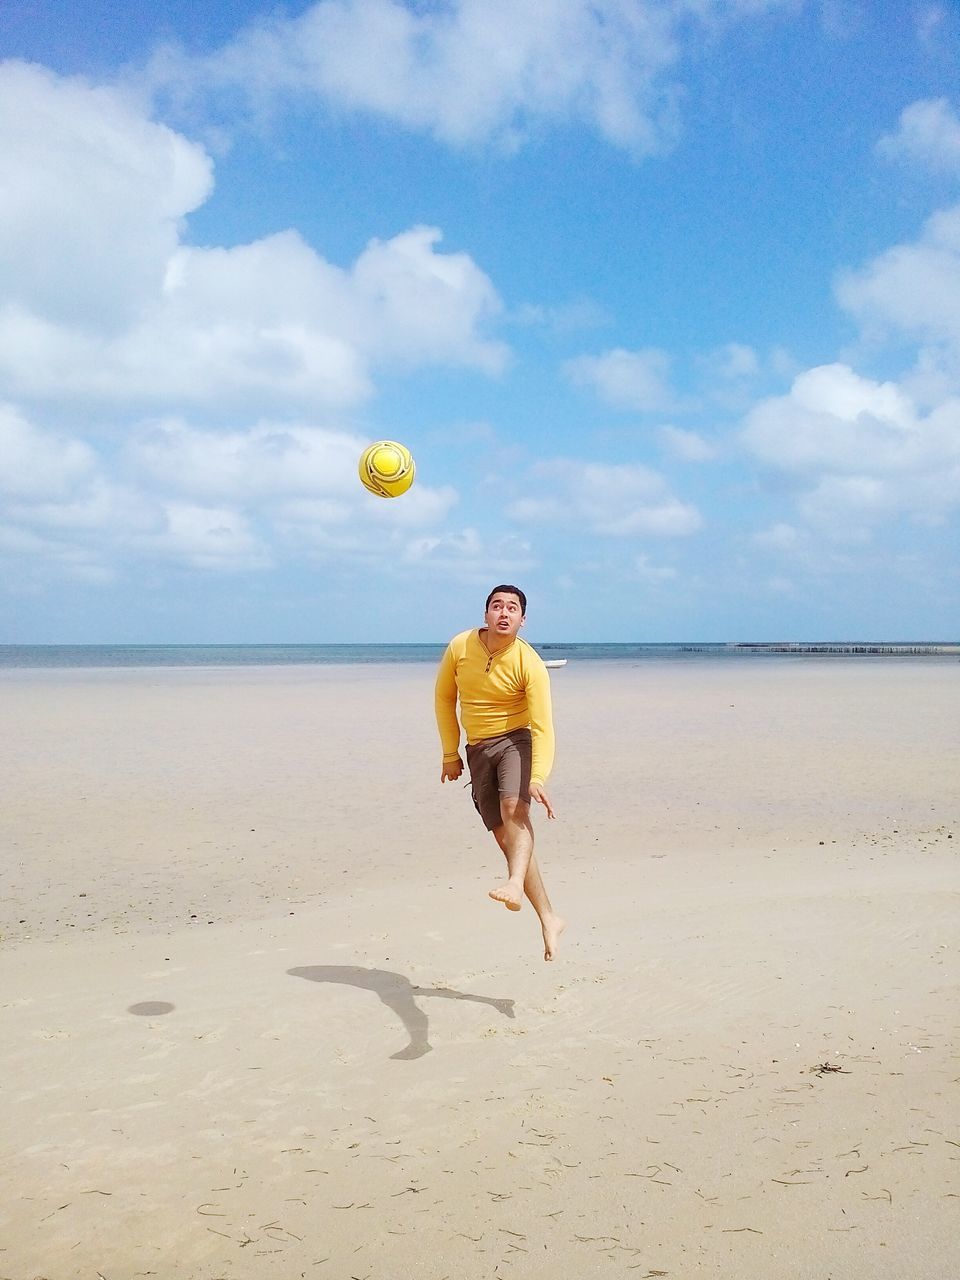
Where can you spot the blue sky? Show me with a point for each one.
(664, 298)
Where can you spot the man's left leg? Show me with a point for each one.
(551, 925)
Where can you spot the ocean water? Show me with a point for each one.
(259, 655)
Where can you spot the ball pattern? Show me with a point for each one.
(387, 468)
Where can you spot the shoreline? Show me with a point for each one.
(572, 667)
(15, 657)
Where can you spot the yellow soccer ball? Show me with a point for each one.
(387, 469)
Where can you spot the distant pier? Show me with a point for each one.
(895, 650)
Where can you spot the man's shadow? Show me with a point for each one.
(398, 994)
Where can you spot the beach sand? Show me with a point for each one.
(259, 1017)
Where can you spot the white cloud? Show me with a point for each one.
(780, 537)
(688, 446)
(466, 70)
(468, 552)
(564, 318)
(834, 418)
(92, 200)
(102, 508)
(419, 506)
(267, 324)
(266, 461)
(58, 500)
(27, 545)
(862, 500)
(636, 380)
(614, 501)
(63, 510)
(420, 306)
(926, 497)
(215, 501)
(206, 538)
(103, 303)
(656, 575)
(860, 449)
(472, 70)
(301, 475)
(733, 361)
(928, 133)
(912, 289)
(38, 464)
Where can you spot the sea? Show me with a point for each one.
(273, 655)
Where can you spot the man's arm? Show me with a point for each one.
(540, 710)
(445, 706)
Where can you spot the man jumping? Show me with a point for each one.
(504, 693)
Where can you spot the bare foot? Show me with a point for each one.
(509, 894)
(552, 927)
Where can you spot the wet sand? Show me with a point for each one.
(261, 1019)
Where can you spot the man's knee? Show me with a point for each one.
(513, 809)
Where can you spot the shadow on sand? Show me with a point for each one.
(399, 995)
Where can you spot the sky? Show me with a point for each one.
(663, 297)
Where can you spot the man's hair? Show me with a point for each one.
(508, 590)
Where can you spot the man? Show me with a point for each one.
(504, 693)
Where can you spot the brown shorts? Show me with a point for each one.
(499, 767)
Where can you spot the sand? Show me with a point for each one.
(259, 1017)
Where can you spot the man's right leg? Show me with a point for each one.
(504, 803)
(515, 838)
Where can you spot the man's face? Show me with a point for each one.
(504, 616)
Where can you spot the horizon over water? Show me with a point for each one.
(252, 655)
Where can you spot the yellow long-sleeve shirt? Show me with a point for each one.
(498, 692)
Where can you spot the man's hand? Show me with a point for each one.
(537, 793)
(451, 770)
